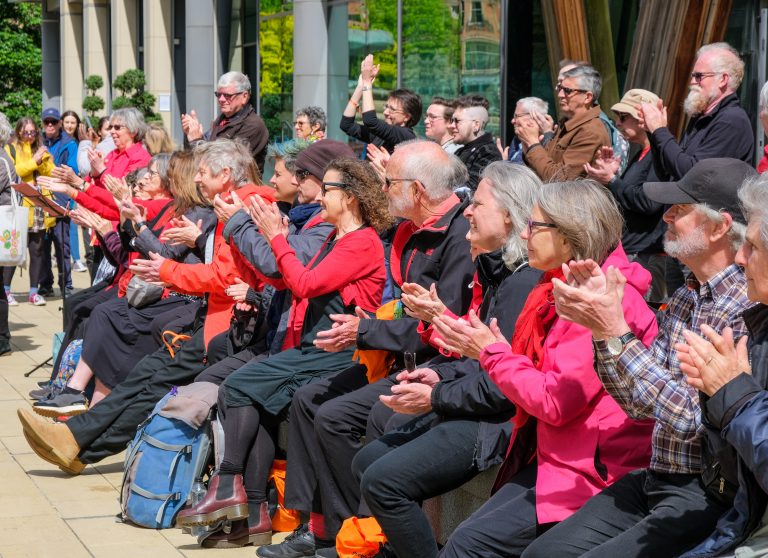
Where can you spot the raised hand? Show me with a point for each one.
(605, 166)
(223, 210)
(711, 363)
(182, 231)
(268, 219)
(191, 126)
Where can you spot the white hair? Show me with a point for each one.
(728, 62)
(238, 79)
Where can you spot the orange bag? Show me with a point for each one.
(359, 538)
(378, 363)
(284, 520)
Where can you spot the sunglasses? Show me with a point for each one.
(301, 174)
(622, 116)
(338, 185)
(29, 133)
(116, 127)
(569, 90)
(227, 96)
(538, 224)
(698, 76)
(50, 122)
(388, 181)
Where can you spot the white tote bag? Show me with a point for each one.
(14, 220)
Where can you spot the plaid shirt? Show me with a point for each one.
(648, 383)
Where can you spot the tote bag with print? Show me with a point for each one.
(13, 228)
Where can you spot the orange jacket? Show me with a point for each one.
(212, 279)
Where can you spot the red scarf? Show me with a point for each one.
(535, 320)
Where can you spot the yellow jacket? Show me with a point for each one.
(26, 167)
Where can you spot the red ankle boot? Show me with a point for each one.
(243, 532)
(211, 509)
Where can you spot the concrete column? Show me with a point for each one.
(202, 59)
(96, 33)
(51, 54)
(320, 65)
(125, 39)
(71, 55)
(158, 54)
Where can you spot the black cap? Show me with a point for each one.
(715, 182)
(317, 156)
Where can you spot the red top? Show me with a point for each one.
(119, 163)
(213, 278)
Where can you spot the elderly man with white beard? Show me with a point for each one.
(719, 127)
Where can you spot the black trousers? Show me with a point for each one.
(5, 330)
(107, 427)
(423, 458)
(327, 424)
(58, 237)
(502, 527)
(642, 514)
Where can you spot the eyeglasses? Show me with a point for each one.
(622, 116)
(388, 181)
(538, 224)
(698, 76)
(390, 108)
(153, 173)
(521, 115)
(301, 175)
(300, 123)
(455, 120)
(227, 96)
(116, 127)
(325, 185)
(50, 122)
(29, 133)
(433, 117)
(569, 90)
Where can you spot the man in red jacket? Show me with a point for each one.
(107, 427)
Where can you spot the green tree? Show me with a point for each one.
(21, 55)
(131, 84)
(93, 103)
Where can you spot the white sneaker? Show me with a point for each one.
(79, 267)
(11, 299)
(36, 300)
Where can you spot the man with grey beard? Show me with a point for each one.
(719, 127)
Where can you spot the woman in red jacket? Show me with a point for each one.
(347, 271)
(571, 439)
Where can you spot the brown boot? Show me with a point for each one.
(212, 509)
(50, 441)
(256, 530)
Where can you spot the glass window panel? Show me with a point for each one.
(276, 78)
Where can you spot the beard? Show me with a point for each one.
(693, 244)
(400, 206)
(697, 102)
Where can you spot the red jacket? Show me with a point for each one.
(354, 267)
(119, 163)
(575, 415)
(213, 278)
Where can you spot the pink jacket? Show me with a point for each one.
(575, 416)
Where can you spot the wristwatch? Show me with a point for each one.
(366, 88)
(137, 226)
(616, 344)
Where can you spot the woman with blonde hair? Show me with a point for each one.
(157, 139)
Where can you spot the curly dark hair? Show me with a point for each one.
(366, 186)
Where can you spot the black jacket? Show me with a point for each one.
(476, 155)
(644, 228)
(465, 390)
(736, 415)
(376, 131)
(435, 254)
(725, 132)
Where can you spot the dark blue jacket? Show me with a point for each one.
(63, 150)
(739, 410)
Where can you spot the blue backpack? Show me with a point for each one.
(161, 463)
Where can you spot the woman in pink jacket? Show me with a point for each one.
(571, 439)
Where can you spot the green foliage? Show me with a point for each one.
(21, 56)
(276, 85)
(94, 83)
(93, 103)
(131, 84)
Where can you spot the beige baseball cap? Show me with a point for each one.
(632, 100)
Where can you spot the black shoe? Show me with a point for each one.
(5, 347)
(45, 291)
(296, 545)
(329, 552)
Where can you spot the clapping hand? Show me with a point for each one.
(651, 117)
(191, 126)
(149, 270)
(421, 303)
(268, 219)
(467, 338)
(96, 158)
(606, 166)
(182, 231)
(223, 210)
(343, 332)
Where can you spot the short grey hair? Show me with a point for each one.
(753, 196)
(315, 115)
(587, 78)
(439, 172)
(6, 130)
(515, 188)
(737, 232)
(477, 113)
(225, 153)
(728, 62)
(131, 118)
(534, 105)
(587, 216)
(238, 79)
(163, 161)
(764, 97)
